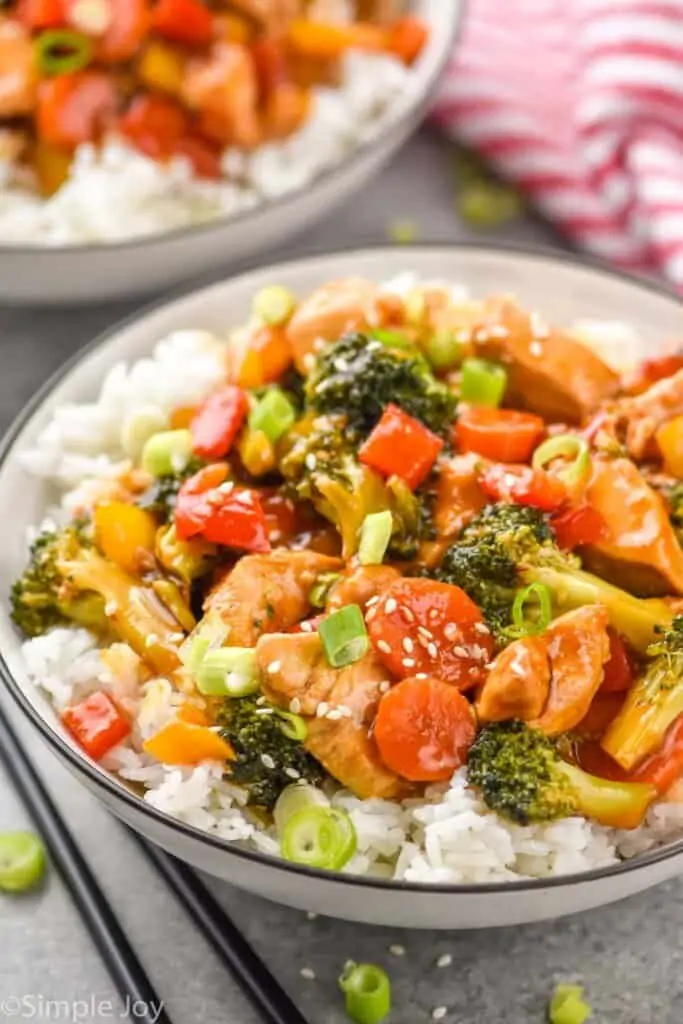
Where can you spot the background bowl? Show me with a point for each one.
(559, 288)
(40, 275)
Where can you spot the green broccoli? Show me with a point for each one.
(161, 496)
(358, 376)
(266, 760)
(522, 776)
(652, 704)
(674, 498)
(42, 598)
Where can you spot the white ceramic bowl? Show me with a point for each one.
(562, 290)
(40, 275)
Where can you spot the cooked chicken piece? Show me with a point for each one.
(518, 682)
(458, 499)
(642, 554)
(274, 15)
(382, 11)
(12, 142)
(263, 594)
(360, 584)
(294, 666)
(327, 314)
(549, 373)
(637, 419)
(18, 70)
(222, 88)
(578, 646)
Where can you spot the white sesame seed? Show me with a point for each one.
(308, 973)
(460, 651)
(295, 705)
(151, 639)
(450, 631)
(439, 1012)
(334, 715)
(408, 645)
(383, 646)
(267, 761)
(111, 608)
(427, 633)
(371, 615)
(406, 613)
(311, 461)
(322, 709)
(432, 650)
(292, 773)
(422, 675)
(445, 960)
(341, 365)
(372, 600)
(176, 638)
(274, 667)
(306, 627)
(226, 487)
(384, 686)
(390, 605)
(535, 348)
(274, 536)
(397, 950)
(408, 662)
(498, 331)
(433, 615)
(481, 627)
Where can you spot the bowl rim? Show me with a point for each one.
(367, 148)
(118, 791)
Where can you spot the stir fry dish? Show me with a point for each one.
(174, 78)
(405, 539)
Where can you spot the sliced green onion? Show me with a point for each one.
(343, 636)
(565, 446)
(192, 654)
(567, 1006)
(483, 382)
(228, 672)
(22, 861)
(293, 798)
(444, 350)
(274, 305)
(522, 625)
(375, 534)
(138, 428)
(403, 232)
(293, 726)
(62, 51)
(167, 453)
(319, 837)
(273, 415)
(321, 588)
(368, 992)
(486, 204)
(392, 339)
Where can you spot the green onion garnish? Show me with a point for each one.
(61, 52)
(293, 798)
(567, 1006)
(444, 350)
(343, 636)
(293, 726)
(565, 446)
(321, 588)
(192, 654)
(368, 992)
(403, 232)
(228, 672)
(392, 339)
(22, 861)
(319, 837)
(274, 305)
(167, 453)
(535, 594)
(375, 534)
(273, 415)
(483, 382)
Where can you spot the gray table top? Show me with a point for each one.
(629, 955)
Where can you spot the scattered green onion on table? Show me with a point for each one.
(367, 991)
(22, 861)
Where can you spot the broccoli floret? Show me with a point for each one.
(674, 498)
(42, 598)
(266, 760)
(521, 775)
(652, 704)
(358, 376)
(160, 498)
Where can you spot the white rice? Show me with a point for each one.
(117, 194)
(447, 836)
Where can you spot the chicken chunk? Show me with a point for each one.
(642, 553)
(549, 373)
(360, 584)
(223, 90)
(578, 647)
(518, 682)
(382, 11)
(263, 594)
(637, 419)
(328, 313)
(458, 499)
(18, 70)
(274, 15)
(294, 666)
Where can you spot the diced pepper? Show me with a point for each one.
(97, 724)
(504, 435)
(204, 156)
(665, 766)
(580, 525)
(128, 27)
(650, 371)
(75, 108)
(522, 485)
(233, 28)
(401, 446)
(182, 742)
(161, 67)
(181, 417)
(260, 357)
(184, 21)
(125, 534)
(620, 670)
(407, 38)
(270, 61)
(324, 39)
(155, 125)
(218, 422)
(669, 439)
(212, 508)
(41, 14)
(52, 166)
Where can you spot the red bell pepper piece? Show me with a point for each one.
(620, 670)
(308, 625)
(665, 766)
(42, 14)
(522, 485)
(154, 125)
(184, 21)
(580, 525)
(75, 108)
(204, 157)
(210, 507)
(401, 446)
(650, 371)
(97, 724)
(218, 422)
(128, 27)
(503, 435)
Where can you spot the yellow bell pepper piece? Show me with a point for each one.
(669, 437)
(162, 67)
(182, 742)
(256, 452)
(125, 534)
(52, 167)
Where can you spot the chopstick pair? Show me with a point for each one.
(129, 976)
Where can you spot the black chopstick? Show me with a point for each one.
(127, 973)
(257, 983)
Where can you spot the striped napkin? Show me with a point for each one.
(580, 103)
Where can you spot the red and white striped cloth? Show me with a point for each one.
(580, 102)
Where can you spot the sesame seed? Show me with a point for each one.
(371, 615)
(406, 613)
(460, 651)
(422, 675)
(451, 630)
(423, 642)
(322, 709)
(295, 705)
(383, 646)
(267, 761)
(308, 973)
(397, 950)
(226, 487)
(408, 645)
(433, 615)
(261, 710)
(535, 348)
(498, 331)
(334, 715)
(274, 536)
(423, 631)
(176, 638)
(445, 960)
(341, 365)
(408, 662)
(439, 1012)
(292, 773)
(306, 627)
(432, 650)
(111, 608)
(311, 461)
(481, 627)
(373, 600)
(384, 686)
(151, 639)
(274, 667)
(390, 605)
